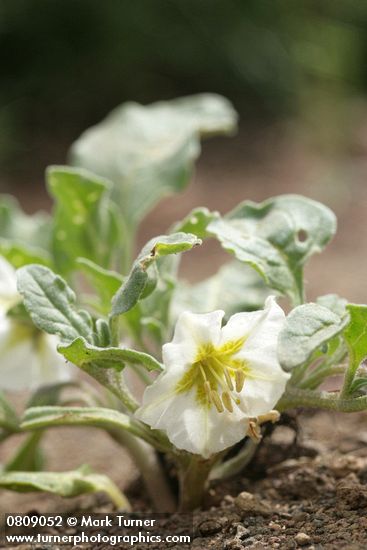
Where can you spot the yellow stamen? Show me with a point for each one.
(226, 399)
(228, 379)
(207, 388)
(240, 380)
(216, 400)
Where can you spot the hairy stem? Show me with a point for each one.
(147, 462)
(193, 479)
(294, 398)
(318, 376)
(235, 465)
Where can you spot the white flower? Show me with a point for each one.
(8, 286)
(28, 357)
(216, 379)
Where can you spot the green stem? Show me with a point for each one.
(298, 297)
(318, 376)
(118, 498)
(294, 398)
(146, 460)
(235, 465)
(193, 479)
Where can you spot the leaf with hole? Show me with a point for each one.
(276, 238)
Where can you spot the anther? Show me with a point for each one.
(216, 400)
(226, 398)
(240, 380)
(254, 431)
(228, 379)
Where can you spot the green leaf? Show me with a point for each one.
(276, 238)
(85, 220)
(305, 330)
(105, 282)
(39, 418)
(28, 456)
(81, 354)
(19, 255)
(355, 336)
(65, 484)
(9, 420)
(234, 288)
(197, 222)
(16, 227)
(51, 304)
(149, 151)
(333, 302)
(51, 394)
(36, 418)
(359, 385)
(134, 287)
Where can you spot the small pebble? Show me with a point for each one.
(302, 539)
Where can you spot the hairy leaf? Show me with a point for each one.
(149, 151)
(65, 484)
(234, 288)
(85, 220)
(81, 353)
(276, 237)
(355, 336)
(134, 287)
(9, 420)
(51, 304)
(306, 328)
(197, 222)
(105, 282)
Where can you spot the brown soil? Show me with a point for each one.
(311, 493)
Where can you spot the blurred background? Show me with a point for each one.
(295, 71)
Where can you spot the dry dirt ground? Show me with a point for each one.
(310, 495)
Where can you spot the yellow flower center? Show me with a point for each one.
(217, 375)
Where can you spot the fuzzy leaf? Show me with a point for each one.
(16, 227)
(306, 328)
(234, 288)
(28, 456)
(149, 151)
(105, 282)
(51, 304)
(8, 417)
(81, 354)
(85, 220)
(36, 418)
(333, 302)
(134, 287)
(65, 484)
(19, 255)
(276, 237)
(197, 222)
(355, 336)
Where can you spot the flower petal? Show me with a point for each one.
(190, 427)
(192, 330)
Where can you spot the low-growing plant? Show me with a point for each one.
(216, 359)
